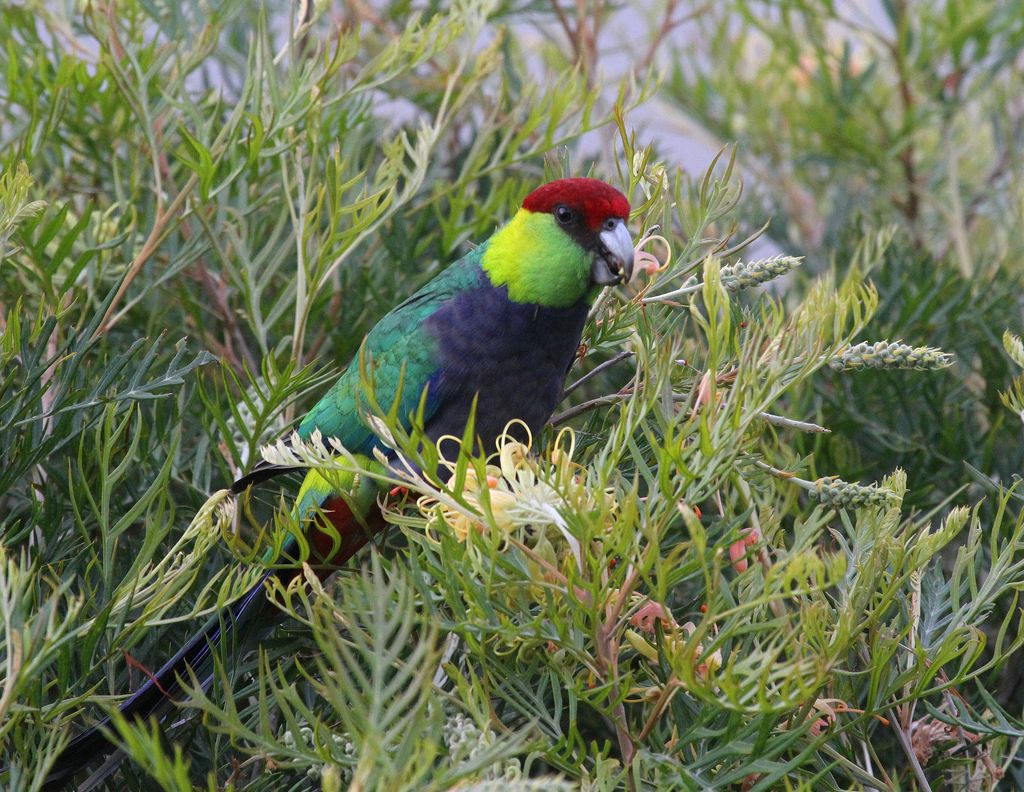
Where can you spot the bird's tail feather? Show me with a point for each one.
(355, 519)
(164, 687)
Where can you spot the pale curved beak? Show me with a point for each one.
(613, 263)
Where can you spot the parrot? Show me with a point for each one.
(492, 336)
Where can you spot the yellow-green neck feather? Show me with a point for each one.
(538, 261)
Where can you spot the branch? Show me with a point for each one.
(156, 236)
(908, 750)
(587, 406)
(597, 370)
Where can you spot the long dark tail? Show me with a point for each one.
(264, 471)
(165, 687)
(162, 688)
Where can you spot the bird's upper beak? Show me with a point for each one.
(614, 260)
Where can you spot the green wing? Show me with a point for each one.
(397, 349)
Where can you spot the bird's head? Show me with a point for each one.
(568, 239)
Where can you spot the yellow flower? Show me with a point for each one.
(520, 489)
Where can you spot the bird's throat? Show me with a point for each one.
(537, 261)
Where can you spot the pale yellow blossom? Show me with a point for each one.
(518, 488)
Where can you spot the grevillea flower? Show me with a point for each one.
(519, 489)
(643, 261)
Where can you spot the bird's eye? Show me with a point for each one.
(563, 214)
(610, 223)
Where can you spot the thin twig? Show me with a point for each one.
(668, 24)
(664, 697)
(1002, 166)
(587, 406)
(958, 220)
(570, 34)
(551, 570)
(908, 750)
(607, 645)
(718, 251)
(602, 401)
(156, 236)
(792, 423)
(671, 296)
(910, 206)
(622, 395)
(597, 370)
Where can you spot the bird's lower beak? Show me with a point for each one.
(613, 263)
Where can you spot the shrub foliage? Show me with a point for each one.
(710, 571)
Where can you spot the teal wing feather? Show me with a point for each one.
(397, 350)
